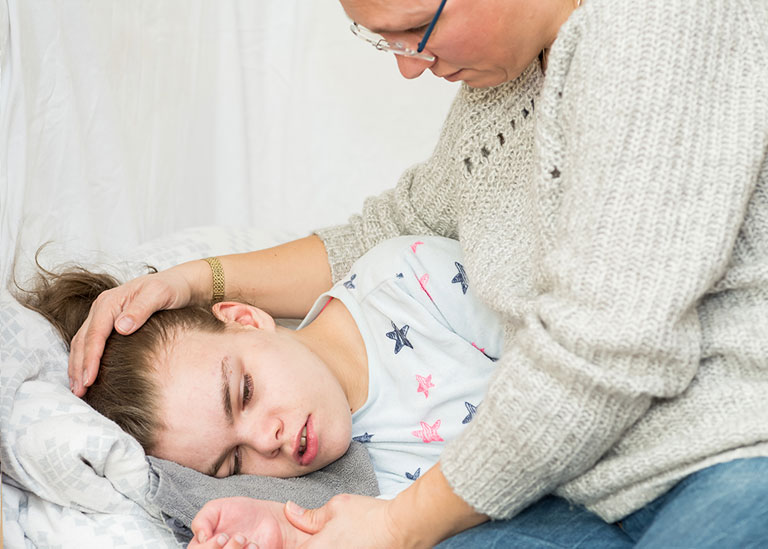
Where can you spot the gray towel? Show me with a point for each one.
(180, 492)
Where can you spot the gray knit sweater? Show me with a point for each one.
(616, 213)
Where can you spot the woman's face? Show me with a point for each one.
(250, 400)
(482, 42)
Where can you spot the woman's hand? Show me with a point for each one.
(125, 308)
(348, 521)
(244, 520)
(290, 277)
(422, 515)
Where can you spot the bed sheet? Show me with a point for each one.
(72, 478)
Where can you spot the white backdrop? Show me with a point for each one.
(126, 120)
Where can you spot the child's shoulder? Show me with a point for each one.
(401, 257)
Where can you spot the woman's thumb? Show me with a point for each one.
(310, 521)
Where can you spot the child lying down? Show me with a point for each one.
(397, 356)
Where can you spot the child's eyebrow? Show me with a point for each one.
(226, 403)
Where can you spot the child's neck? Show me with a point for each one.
(335, 338)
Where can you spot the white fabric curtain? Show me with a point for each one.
(126, 120)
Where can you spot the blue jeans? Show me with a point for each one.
(723, 506)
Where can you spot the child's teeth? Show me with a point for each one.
(303, 438)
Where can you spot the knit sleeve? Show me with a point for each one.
(423, 202)
(651, 132)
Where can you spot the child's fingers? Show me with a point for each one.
(205, 522)
(224, 541)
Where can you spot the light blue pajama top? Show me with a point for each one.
(431, 347)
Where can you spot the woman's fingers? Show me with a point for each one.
(124, 309)
(310, 521)
(87, 346)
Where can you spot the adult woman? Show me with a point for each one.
(612, 211)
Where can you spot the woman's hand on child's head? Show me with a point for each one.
(124, 308)
(260, 522)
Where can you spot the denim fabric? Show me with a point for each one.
(724, 506)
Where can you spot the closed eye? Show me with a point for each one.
(247, 396)
(247, 389)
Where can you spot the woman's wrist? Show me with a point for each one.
(198, 280)
(431, 500)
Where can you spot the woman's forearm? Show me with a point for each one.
(430, 500)
(284, 280)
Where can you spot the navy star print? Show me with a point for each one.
(461, 278)
(398, 334)
(472, 409)
(349, 285)
(413, 476)
(363, 438)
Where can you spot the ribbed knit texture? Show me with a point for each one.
(616, 213)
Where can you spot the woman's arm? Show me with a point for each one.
(284, 280)
(425, 513)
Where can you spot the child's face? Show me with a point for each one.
(250, 400)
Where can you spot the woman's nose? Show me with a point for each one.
(412, 67)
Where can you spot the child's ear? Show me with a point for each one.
(247, 315)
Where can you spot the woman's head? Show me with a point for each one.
(482, 42)
(222, 391)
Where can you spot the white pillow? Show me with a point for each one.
(78, 463)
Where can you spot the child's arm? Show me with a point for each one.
(257, 521)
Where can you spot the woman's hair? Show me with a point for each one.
(126, 389)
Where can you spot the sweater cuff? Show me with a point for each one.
(478, 465)
(343, 248)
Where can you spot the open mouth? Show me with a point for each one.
(306, 445)
(303, 441)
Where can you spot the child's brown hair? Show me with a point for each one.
(126, 389)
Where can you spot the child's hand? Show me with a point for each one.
(223, 541)
(244, 521)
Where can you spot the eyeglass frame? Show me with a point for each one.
(398, 48)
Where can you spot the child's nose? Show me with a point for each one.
(268, 437)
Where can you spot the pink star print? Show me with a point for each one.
(425, 383)
(423, 282)
(428, 433)
(416, 245)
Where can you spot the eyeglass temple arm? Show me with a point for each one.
(431, 26)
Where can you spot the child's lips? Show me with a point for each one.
(306, 438)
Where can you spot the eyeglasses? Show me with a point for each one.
(398, 48)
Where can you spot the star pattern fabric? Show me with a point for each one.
(472, 410)
(428, 433)
(425, 384)
(448, 335)
(413, 476)
(398, 334)
(363, 438)
(349, 284)
(423, 283)
(461, 278)
(482, 350)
